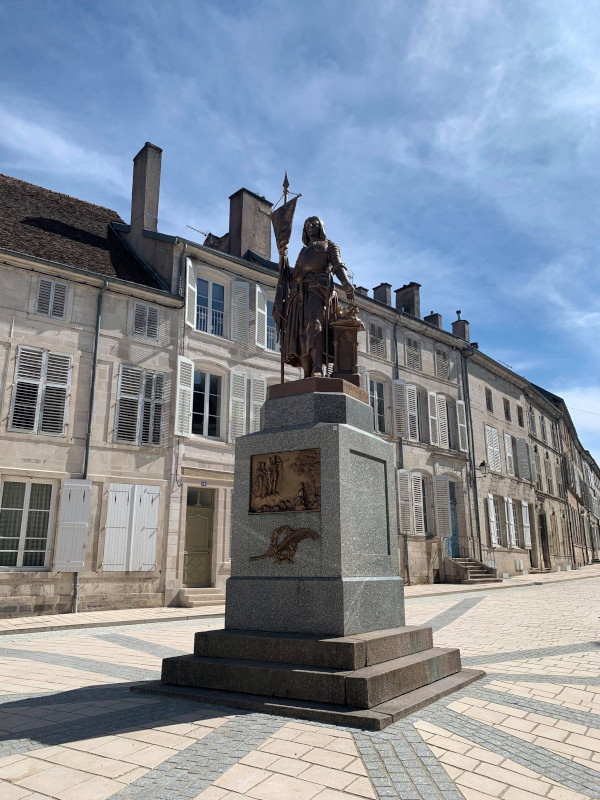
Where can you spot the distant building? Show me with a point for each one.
(132, 359)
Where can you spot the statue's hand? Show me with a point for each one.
(349, 289)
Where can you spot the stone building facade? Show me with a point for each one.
(168, 345)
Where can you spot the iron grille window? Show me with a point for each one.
(210, 307)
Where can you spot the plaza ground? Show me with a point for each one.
(70, 728)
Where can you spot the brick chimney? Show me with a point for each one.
(434, 319)
(146, 188)
(407, 297)
(383, 293)
(249, 224)
(460, 328)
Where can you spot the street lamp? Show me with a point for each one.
(483, 468)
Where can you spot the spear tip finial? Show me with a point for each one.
(286, 183)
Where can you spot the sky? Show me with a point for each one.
(449, 142)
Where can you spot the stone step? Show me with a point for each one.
(362, 688)
(188, 603)
(376, 718)
(488, 579)
(345, 653)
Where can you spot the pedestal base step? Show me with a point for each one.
(375, 718)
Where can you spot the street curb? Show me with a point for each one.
(497, 586)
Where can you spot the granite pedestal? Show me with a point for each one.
(316, 628)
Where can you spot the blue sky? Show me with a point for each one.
(451, 143)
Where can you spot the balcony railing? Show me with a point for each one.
(216, 321)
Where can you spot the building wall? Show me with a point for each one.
(27, 456)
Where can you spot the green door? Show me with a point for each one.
(198, 537)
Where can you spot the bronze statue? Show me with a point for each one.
(312, 303)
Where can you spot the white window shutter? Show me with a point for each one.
(128, 404)
(56, 392)
(493, 520)
(116, 536)
(185, 396)
(404, 505)
(434, 436)
(237, 405)
(412, 412)
(510, 522)
(140, 319)
(441, 485)
(191, 294)
(25, 403)
(523, 460)
(510, 461)
(143, 534)
(416, 481)
(59, 301)
(364, 378)
(240, 311)
(399, 407)
(461, 419)
(533, 464)
(497, 459)
(526, 525)
(43, 302)
(493, 448)
(261, 317)
(258, 395)
(442, 368)
(73, 525)
(442, 419)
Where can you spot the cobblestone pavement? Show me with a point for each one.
(70, 729)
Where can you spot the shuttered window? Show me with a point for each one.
(434, 436)
(140, 406)
(399, 407)
(560, 485)
(416, 480)
(26, 511)
(441, 487)
(531, 421)
(461, 421)
(131, 530)
(185, 396)
(538, 468)
(237, 405)
(191, 294)
(413, 353)
(524, 467)
(548, 470)
(40, 395)
(145, 321)
(520, 418)
(442, 420)
(510, 461)
(260, 305)
(51, 299)
(73, 525)
(510, 522)
(376, 397)
(493, 448)
(526, 525)
(376, 340)
(489, 402)
(258, 395)
(543, 429)
(442, 364)
(493, 520)
(240, 311)
(206, 404)
(412, 413)
(404, 502)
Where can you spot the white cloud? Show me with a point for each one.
(583, 403)
(45, 145)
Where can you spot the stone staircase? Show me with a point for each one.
(367, 680)
(200, 598)
(469, 571)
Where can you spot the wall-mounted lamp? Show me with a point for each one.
(483, 468)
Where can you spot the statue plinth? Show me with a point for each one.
(314, 620)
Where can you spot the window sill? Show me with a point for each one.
(24, 569)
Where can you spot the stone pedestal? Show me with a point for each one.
(314, 621)
(345, 579)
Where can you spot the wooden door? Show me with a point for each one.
(198, 538)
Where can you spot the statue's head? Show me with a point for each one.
(313, 230)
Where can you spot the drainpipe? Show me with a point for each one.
(88, 436)
(466, 354)
(400, 449)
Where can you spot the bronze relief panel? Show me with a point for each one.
(287, 481)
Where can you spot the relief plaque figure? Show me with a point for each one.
(289, 481)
